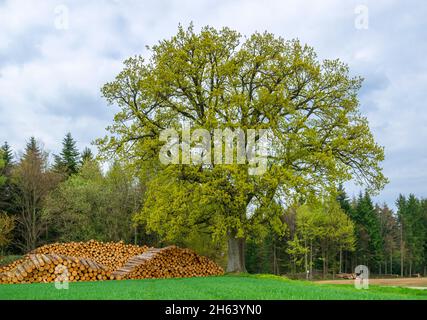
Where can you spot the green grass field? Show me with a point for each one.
(212, 288)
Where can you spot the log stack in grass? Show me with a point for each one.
(92, 260)
(52, 267)
(110, 254)
(11, 265)
(170, 262)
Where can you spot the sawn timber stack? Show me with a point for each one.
(92, 261)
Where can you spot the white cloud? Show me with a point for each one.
(50, 79)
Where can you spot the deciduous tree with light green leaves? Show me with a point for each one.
(321, 225)
(90, 205)
(216, 79)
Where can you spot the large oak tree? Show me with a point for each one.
(216, 79)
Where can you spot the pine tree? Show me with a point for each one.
(416, 235)
(32, 148)
(343, 199)
(6, 185)
(424, 217)
(7, 154)
(347, 205)
(68, 160)
(389, 234)
(2, 165)
(401, 215)
(369, 248)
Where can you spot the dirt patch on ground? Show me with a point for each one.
(419, 283)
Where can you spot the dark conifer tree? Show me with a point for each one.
(68, 160)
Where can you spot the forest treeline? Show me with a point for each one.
(72, 199)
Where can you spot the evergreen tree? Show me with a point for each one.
(343, 199)
(6, 185)
(347, 256)
(7, 154)
(2, 165)
(401, 215)
(369, 248)
(415, 234)
(424, 217)
(389, 234)
(32, 149)
(68, 160)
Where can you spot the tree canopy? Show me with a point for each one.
(215, 79)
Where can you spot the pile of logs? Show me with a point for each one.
(11, 265)
(92, 260)
(170, 262)
(52, 267)
(346, 276)
(110, 254)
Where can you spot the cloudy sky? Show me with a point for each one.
(55, 56)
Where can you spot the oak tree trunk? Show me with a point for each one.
(236, 254)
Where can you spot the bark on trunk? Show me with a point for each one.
(236, 254)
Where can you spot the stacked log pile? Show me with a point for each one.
(170, 262)
(11, 265)
(112, 255)
(346, 276)
(91, 261)
(52, 267)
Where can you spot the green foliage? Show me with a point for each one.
(90, 205)
(6, 185)
(32, 148)
(6, 162)
(322, 225)
(86, 156)
(68, 160)
(343, 200)
(7, 224)
(316, 233)
(214, 80)
(260, 255)
(390, 236)
(370, 242)
(2, 165)
(412, 218)
(7, 154)
(201, 242)
(32, 181)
